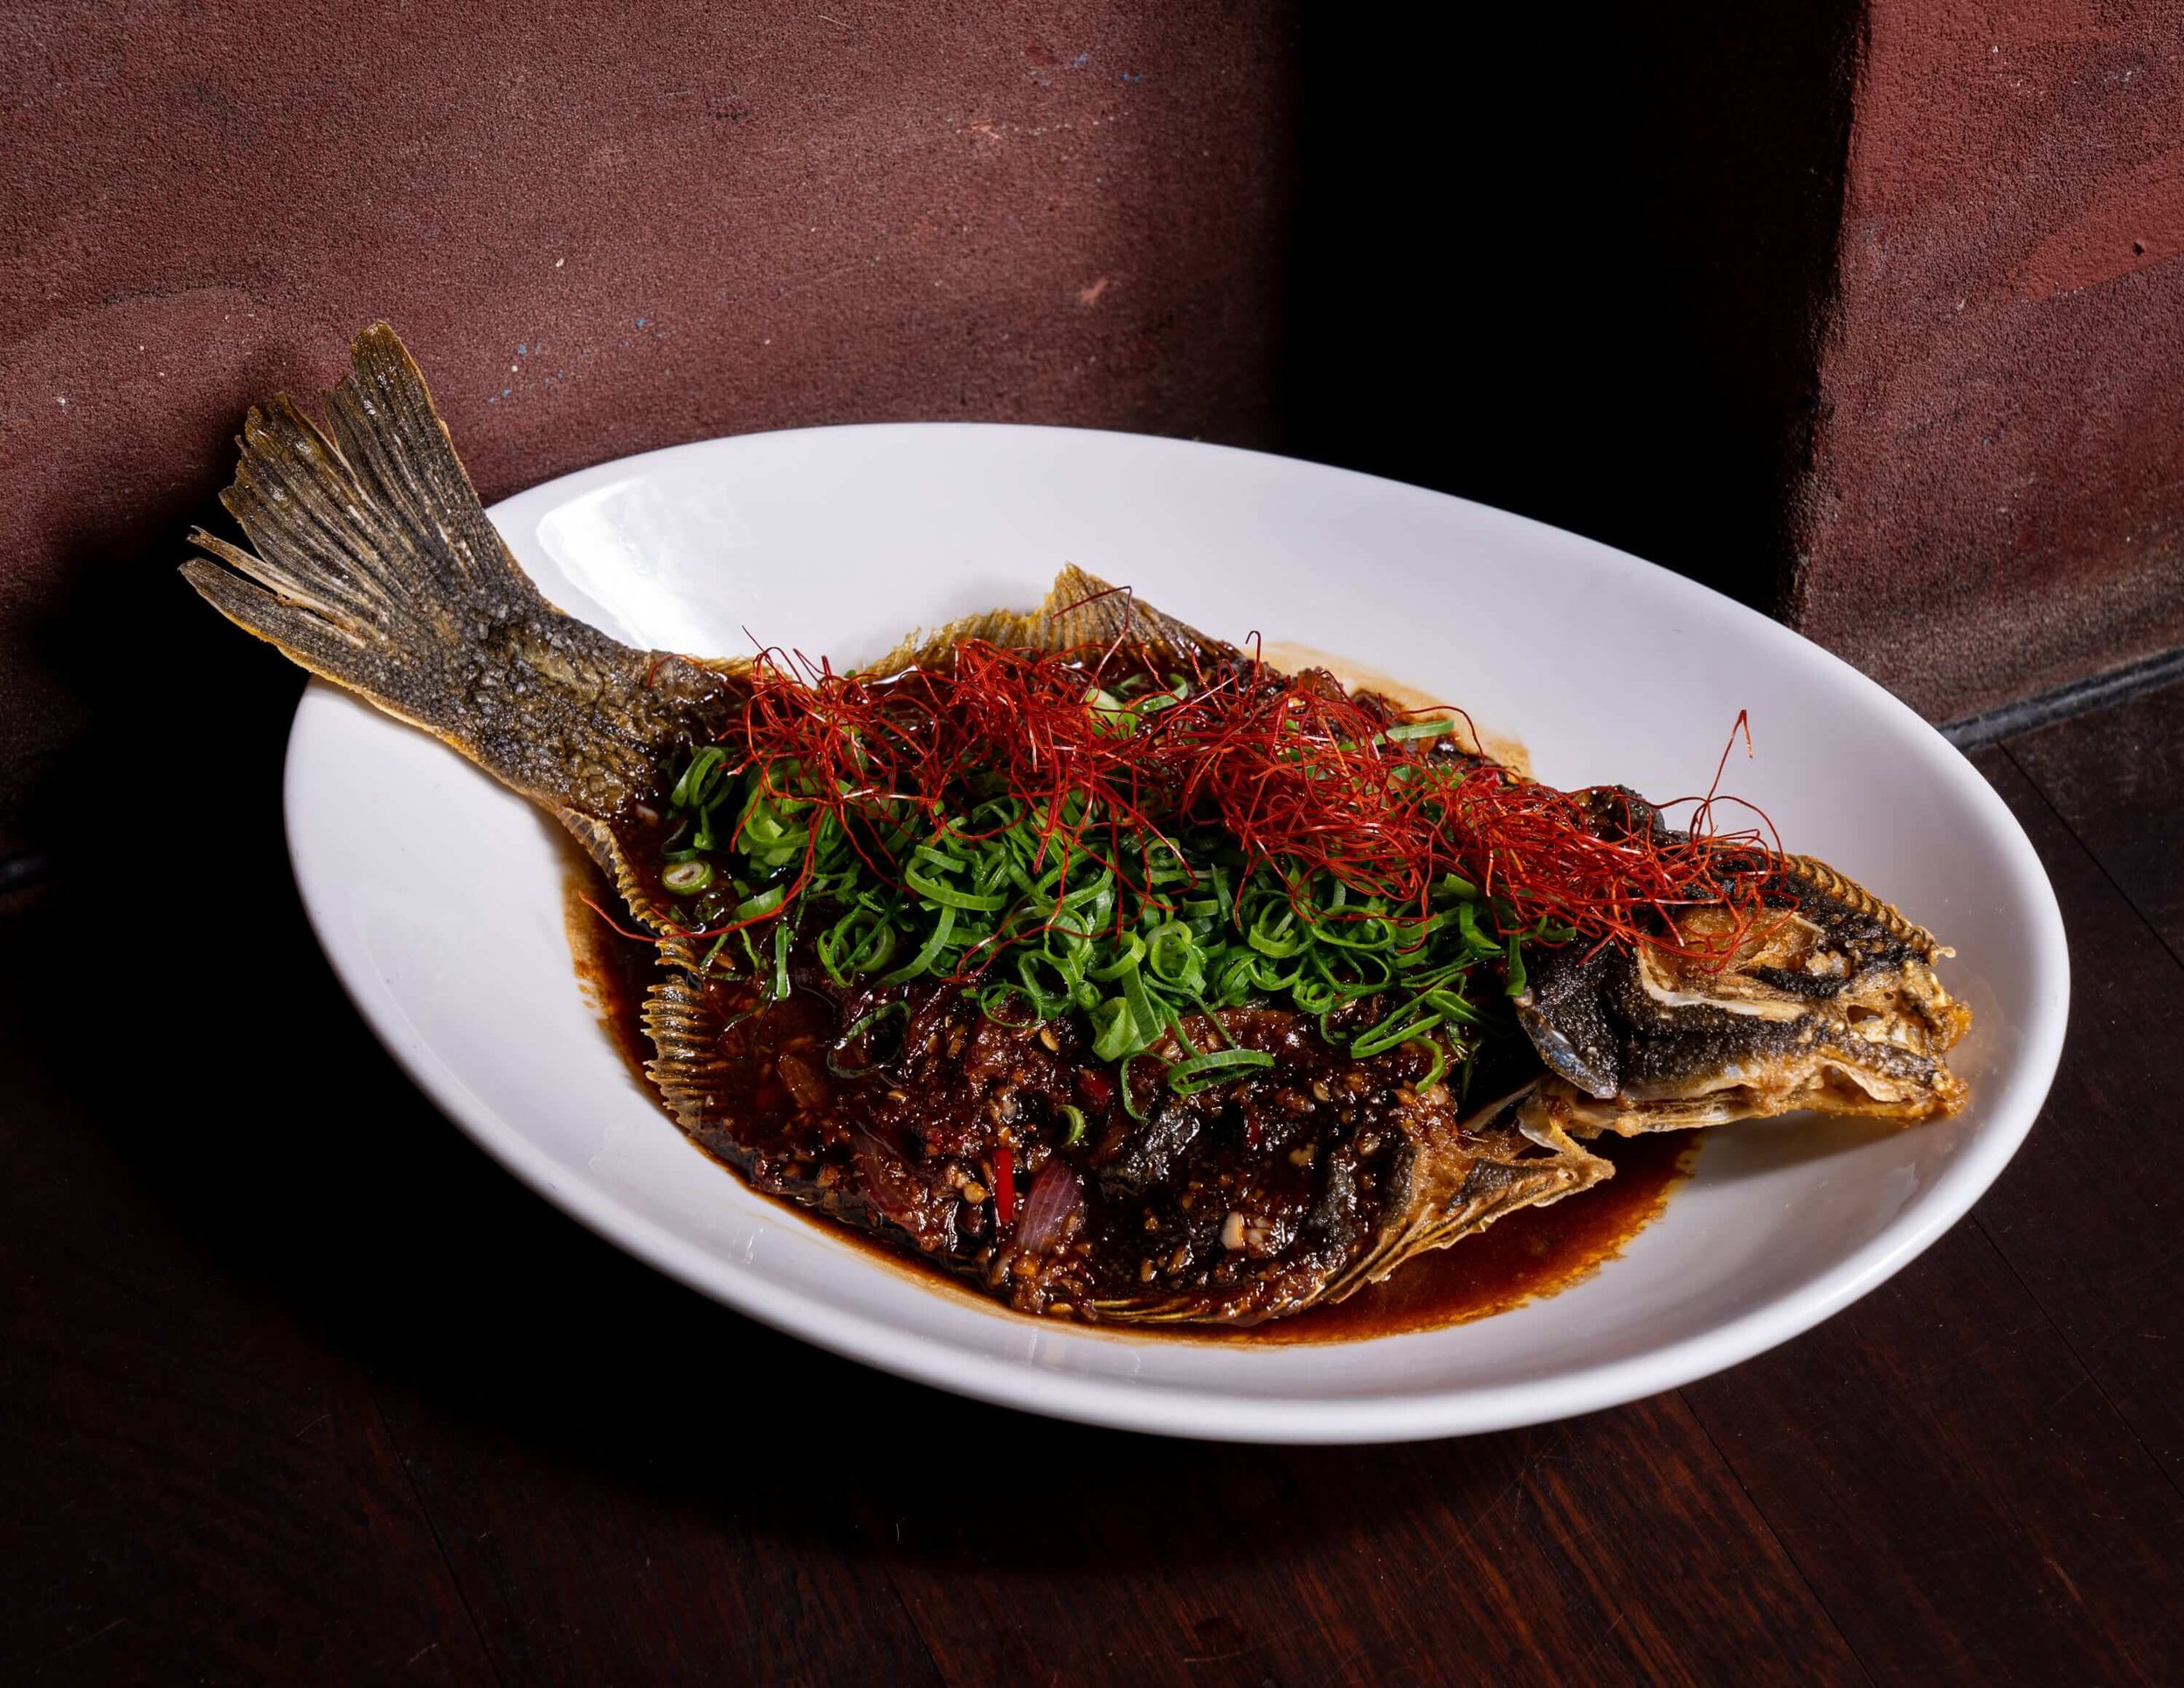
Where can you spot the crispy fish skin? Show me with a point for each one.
(374, 565)
(1831, 1003)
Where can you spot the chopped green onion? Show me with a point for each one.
(994, 998)
(923, 961)
(1201, 1072)
(1044, 907)
(1432, 1047)
(698, 778)
(1467, 923)
(937, 890)
(687, 878)
(765, 903)
(1114, 1030)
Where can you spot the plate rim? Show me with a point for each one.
(1197, 1411)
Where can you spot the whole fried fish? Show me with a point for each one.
(373, 563)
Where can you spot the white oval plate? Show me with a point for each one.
(439, 896)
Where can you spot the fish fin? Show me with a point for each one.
(1845, 890)
(686, 1063)
(1080, 609)
(640, 892)
(1083, 609)
(373, 563)
(1496, 1162)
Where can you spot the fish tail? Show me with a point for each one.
(373, 563)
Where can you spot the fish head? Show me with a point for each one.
(1828, 1000)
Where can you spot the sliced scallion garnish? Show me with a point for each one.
(687, 878)
(1047, 904)
(1217, 1067)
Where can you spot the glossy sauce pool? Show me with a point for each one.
(1533, 1252)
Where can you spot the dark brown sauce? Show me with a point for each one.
(1533, 1252)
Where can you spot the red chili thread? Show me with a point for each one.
(1297, 771)
(584, 898)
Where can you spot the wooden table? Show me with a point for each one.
(295, 1384)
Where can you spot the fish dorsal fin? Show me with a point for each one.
(1080, 609)
(1845, 891)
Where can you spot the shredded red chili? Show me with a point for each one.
(1291, 766)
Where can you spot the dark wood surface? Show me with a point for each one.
(294, 1385)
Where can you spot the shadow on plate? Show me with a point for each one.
(1758, 1148)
